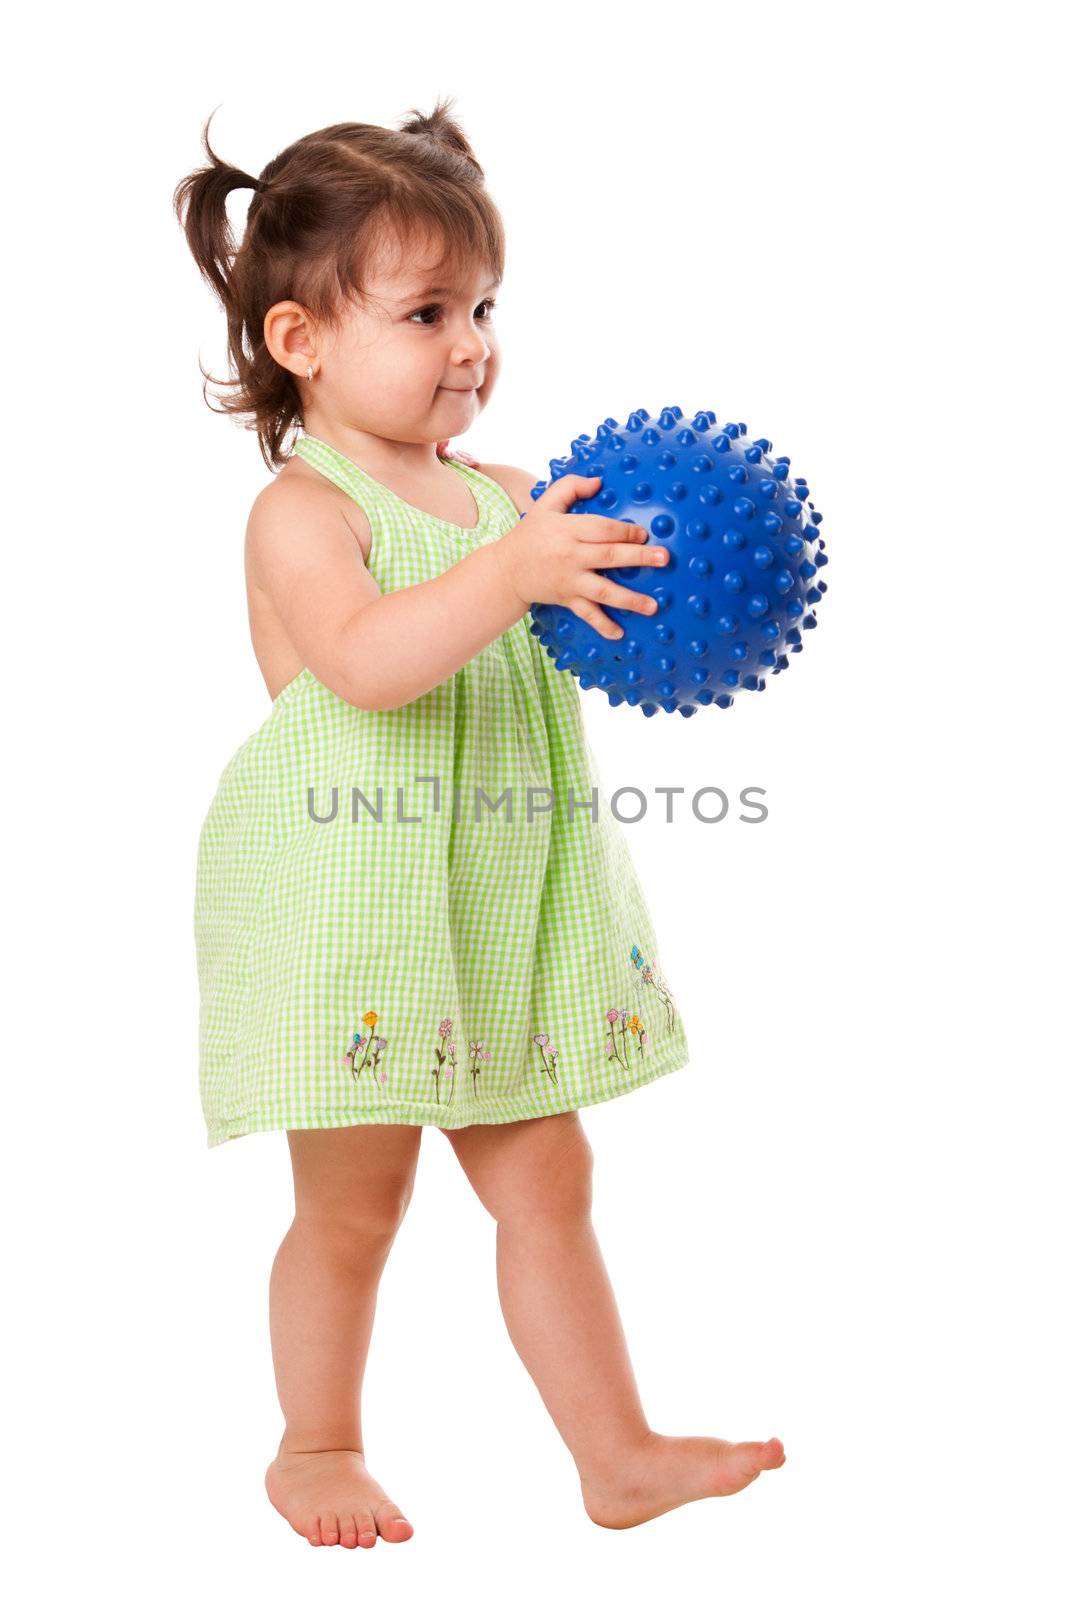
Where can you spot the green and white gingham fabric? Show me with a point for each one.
(445, 964)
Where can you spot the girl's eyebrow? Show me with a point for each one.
(444, 289)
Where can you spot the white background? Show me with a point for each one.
(839, 1222)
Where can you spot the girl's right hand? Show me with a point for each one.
(552, 557)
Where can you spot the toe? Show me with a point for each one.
(750, 1457)
(313, 1531)
(330, 1532)
(368, 1533)
(392, 1523)
(346, 1525)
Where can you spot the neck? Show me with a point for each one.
(382, 457)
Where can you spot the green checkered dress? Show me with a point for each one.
(398, 917)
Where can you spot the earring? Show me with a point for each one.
(310, 373)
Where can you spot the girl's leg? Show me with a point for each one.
(535, 1179)
(352, 1187)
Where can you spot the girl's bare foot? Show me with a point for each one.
(329, 1497)
(668, 1470)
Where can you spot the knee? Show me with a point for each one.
(353, 1183)
(375, 1214)
(554, 1183)
(391, 1206)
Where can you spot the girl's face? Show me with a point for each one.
(417, 363)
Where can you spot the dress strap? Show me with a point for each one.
(366, 490)
(356, 483)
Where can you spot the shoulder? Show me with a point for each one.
(299, 493)
(515, 481)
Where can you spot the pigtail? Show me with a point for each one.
(200, 204)
(442, 127)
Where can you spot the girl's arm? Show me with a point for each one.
(376, 651)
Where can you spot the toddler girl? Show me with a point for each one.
(410, 910)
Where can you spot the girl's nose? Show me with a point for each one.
(474, 346)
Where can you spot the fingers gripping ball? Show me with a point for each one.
(742, 582)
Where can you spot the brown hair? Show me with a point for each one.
(321, 210)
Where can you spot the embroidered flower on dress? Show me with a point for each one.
(477, 1053)
(549, 1052)
(649, 975)
(614, 1016)
(444, 1054)
(369, 1046)
(625, 1028)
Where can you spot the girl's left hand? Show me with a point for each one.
(444, 448)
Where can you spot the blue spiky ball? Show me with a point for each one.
(742, 582)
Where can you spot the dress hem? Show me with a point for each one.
(426, 1114)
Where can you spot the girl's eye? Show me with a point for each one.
(425, 310)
